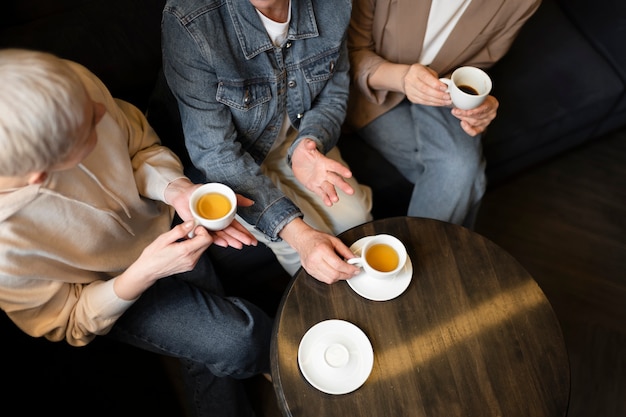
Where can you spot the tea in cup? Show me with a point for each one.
(213, 206)
(382, 256)
(468, 87)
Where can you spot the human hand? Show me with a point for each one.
(318, 173)
(475, 121)
(235, 235)
(178, 193)
(322, 255)
(422, 86)
(170, 253)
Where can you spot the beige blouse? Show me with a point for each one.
(394, 30)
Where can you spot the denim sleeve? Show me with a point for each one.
(210, 134)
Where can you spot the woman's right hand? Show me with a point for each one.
(422, 86)
(170, 253)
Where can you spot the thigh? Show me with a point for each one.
(349, 211)
(186, 316)
(395, 136)
(442, 138)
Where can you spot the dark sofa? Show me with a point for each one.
(563, 83)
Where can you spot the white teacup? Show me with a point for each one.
(382, 256)
(213, 206)
(468, 87)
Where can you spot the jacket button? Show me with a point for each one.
(332, 66)
(300, 116)
(291, 84)
(288, 44)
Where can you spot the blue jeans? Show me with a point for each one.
(219, 340)
(431, 150)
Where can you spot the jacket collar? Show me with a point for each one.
(416, 15)
(469, 28)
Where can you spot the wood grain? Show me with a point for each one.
(473, 335)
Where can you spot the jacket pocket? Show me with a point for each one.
(243, 97)
(248, 103)
(321, 68)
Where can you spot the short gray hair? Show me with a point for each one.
(42, 103)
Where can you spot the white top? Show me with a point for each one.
(444, 14)
(276, 31)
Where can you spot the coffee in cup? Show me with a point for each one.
(213, 206)
(382, 256)
(468, 87)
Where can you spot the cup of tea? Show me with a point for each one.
(213, 206)
(468, 87)
(382, 256)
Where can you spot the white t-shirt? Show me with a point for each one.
(444, 15)
(277, 31)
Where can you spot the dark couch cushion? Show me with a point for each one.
(552, 84)
(391, 191)
(607, 33)
(118, 40)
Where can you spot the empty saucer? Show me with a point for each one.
(335, 356)
(380, 289)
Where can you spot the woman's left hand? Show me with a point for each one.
(475, 121)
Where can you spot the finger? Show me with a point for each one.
(232, 242)
(244, 201)
(218, 240)
(178, 232)
(336, 269)
(323, 272)
(337, 168)
(342, 184)
(242, 237)
(341, 249)
(321, 191)
(469, 129)
(200, 240)
(330, 191)
(242, 233)
(325, 197)
(233, 237)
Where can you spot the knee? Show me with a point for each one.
(245, 348)
(463, 168)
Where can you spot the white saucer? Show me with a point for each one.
(335, 356)
(378, 289)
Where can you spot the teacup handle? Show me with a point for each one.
(355, 261)
(192, 232)
(446, 81)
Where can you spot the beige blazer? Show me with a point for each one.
(394, 30)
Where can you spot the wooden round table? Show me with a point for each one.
(472, 335)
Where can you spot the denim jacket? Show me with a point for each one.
(233, 87)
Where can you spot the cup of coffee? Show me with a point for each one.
(382, 256)
(468, 87)
(213, 206)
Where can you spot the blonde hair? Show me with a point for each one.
(42, 101)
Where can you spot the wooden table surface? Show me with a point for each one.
(473, 334)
